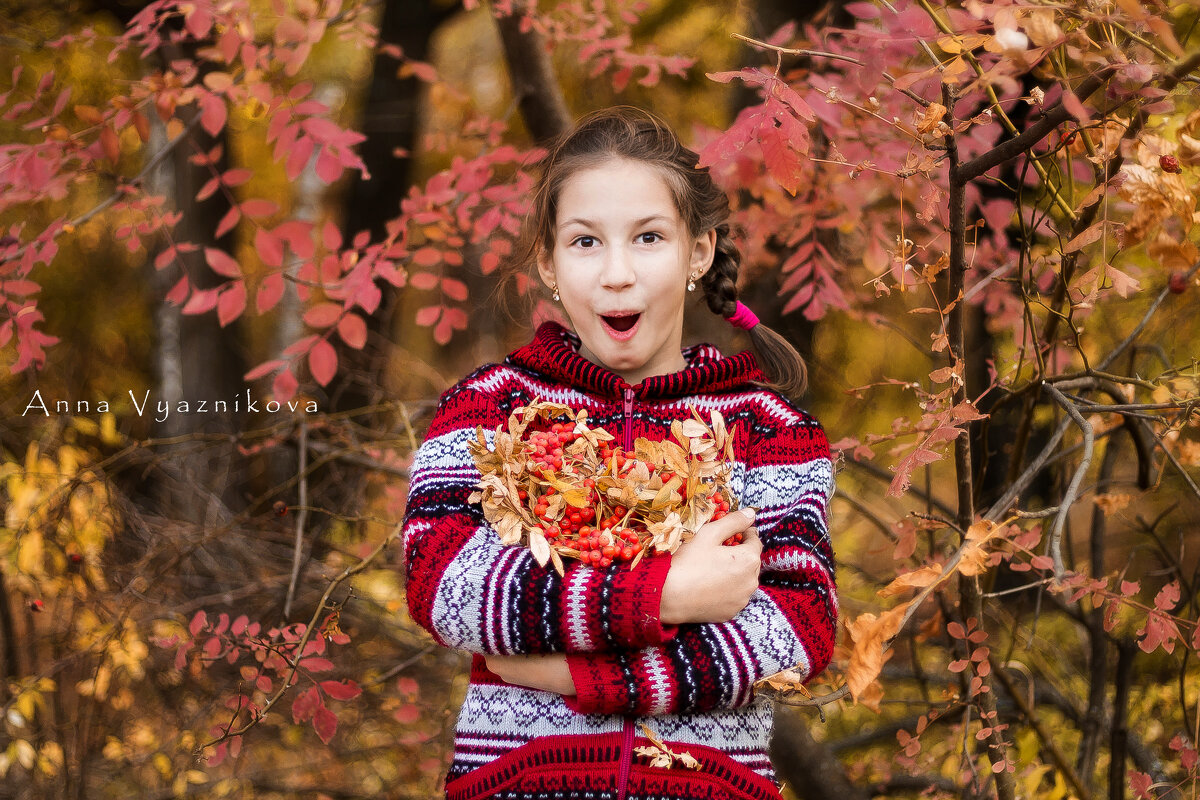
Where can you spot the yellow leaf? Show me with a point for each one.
(933, 115)
(870, 634)
(540, 548)
(917, 579)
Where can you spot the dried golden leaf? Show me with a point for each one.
(917, 579)
(539, 547)
(869, 634)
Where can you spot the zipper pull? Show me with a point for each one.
(628, 419)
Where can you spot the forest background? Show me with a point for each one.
(976, 220)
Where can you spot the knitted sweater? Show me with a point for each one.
(692, 685)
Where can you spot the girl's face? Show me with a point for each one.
(621, 261)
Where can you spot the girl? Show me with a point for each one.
(567, 670)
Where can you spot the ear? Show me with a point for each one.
(704, 250)
(545, 265)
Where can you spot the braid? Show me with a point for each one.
(720, 282)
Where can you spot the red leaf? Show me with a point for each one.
(306, 704)
(325, 724)
(227, 223)
(261, 371)
(329, 168)
(202, 300)
(257, 207)
(212, 114)
(197, 624)
(269, 292)
(222, 263)
(322, 315)
(298, 158)
(322, 362)
(427, 257)
(331, 236)
(298, 236)
(269, 247)
(318, 664)
(1168, 597)
(236, 176)
(208, 189)
(428, 315)
(341, 690)
(423, 280)
(110, 144)
(177, 292)
(353, 331)
(454, 289)
(231, 303)
(284, 386)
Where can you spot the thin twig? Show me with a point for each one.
(1055, 542)
(301, 518)
(1158, 301)
(345, 574)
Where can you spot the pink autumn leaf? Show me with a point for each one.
(325, 724)
(201, 301)
(231, 303)
(428, 315)
(284, 387)
(270, 290)
(353, 331)
(262, 370)
(341, 690)
(305, 705)
(228, 222)
(1168, 597)
(222, 263)
(212, 113)
(322, 362)
(322, 315)
(269, 247)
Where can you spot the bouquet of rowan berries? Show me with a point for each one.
(565, 490)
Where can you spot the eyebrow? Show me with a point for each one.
(636, 223)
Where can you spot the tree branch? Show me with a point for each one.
(535, 85)
(1011, 148)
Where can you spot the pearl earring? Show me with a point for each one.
(556, 297)
(692, 283)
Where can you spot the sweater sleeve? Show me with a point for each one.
(789, 623)
(476, 594)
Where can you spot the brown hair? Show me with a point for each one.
(638, 135)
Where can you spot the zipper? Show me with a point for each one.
(626, 759)
(627, 731)
(628, 419)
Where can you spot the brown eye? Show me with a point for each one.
(649, 238)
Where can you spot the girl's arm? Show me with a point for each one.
(789, 622)
(474, 593)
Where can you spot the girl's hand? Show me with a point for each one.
(709, 581)
(548, 673)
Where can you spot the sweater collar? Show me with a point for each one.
(554, 352)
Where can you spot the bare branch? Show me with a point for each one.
(1055, 542)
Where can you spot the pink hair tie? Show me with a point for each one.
(743, 317)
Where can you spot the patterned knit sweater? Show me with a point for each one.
(692, 685)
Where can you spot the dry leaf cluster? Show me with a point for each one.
(595, 502)
(662, 756)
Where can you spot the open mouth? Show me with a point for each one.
(621, 323)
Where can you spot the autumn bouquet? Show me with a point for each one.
(565, 490)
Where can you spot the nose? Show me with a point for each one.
(617, 272)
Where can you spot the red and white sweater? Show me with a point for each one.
(692, 685)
